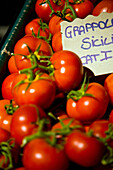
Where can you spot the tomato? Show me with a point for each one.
(99, 128)
(111, 116)
(84, 150)
(57, 42)
(21, 49)
(103, 6)
(7, 86)
(83, 9)
(108, 84)
(5, 118)
(68, 70)
(21, 168)
(38, 154)
(73, 123)
(4, 135)
(37, 26)
(23, 122)
(12, 68)
(40, 91)
(42, 9)
(88, 108)
(55, 21)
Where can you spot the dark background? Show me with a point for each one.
(9, 10)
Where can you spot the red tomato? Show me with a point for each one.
(5, 118)
(4, 135)
(23, 122)
(66, 121)
(87, 108)
(57, 42)
(12, 65)
(108, 84)
(83, 9)
(103, 6)
(68, 70)
(21, 168)
(84, 150)
(43, 11)
(38, 154)
(55, 21)
(111, 117)
(42, 90)
(36, 26)
(99, 128)
(22, 49)
(7, 86)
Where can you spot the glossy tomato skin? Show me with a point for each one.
(103, 6)
(43, 9)
(83, 9)
(99, 128)
(88, 109)
(12, 68)
(5, 118)
(108, 84)
(38, 154)
(68, 71)
(40, 92)
(57, 42)
(23, 121)
(35, 26)
(7, 86)
(22, 49)
(84, 150)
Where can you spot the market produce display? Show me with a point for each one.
(54, 113)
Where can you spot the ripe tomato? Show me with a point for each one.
(55, 21)
(4, 135)
(99, 128)
(89, 108)
(38, 154)
(108, 84)
(22, 49)
(12, 65)
(57, 42)
(5, 118)
(84, 150)
(68, 70)
(42, 90)
(66, 121)
(83, 9)
(43, 11)
(7, 86)
(103, 6)
(36, 26)
(111, 116)
(23, 122)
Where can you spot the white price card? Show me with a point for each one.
(91, 39)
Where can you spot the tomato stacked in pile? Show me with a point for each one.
(52, 115)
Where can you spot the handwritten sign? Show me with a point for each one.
(92, 40)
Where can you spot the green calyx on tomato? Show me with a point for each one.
(10, 108)
(5, 150)
(108, 157)
(42, 37)
(76, 95)
(51, 135)
(62, 14)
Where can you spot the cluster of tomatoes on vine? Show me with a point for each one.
(52, 115)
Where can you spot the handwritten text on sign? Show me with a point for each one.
(92, 40)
